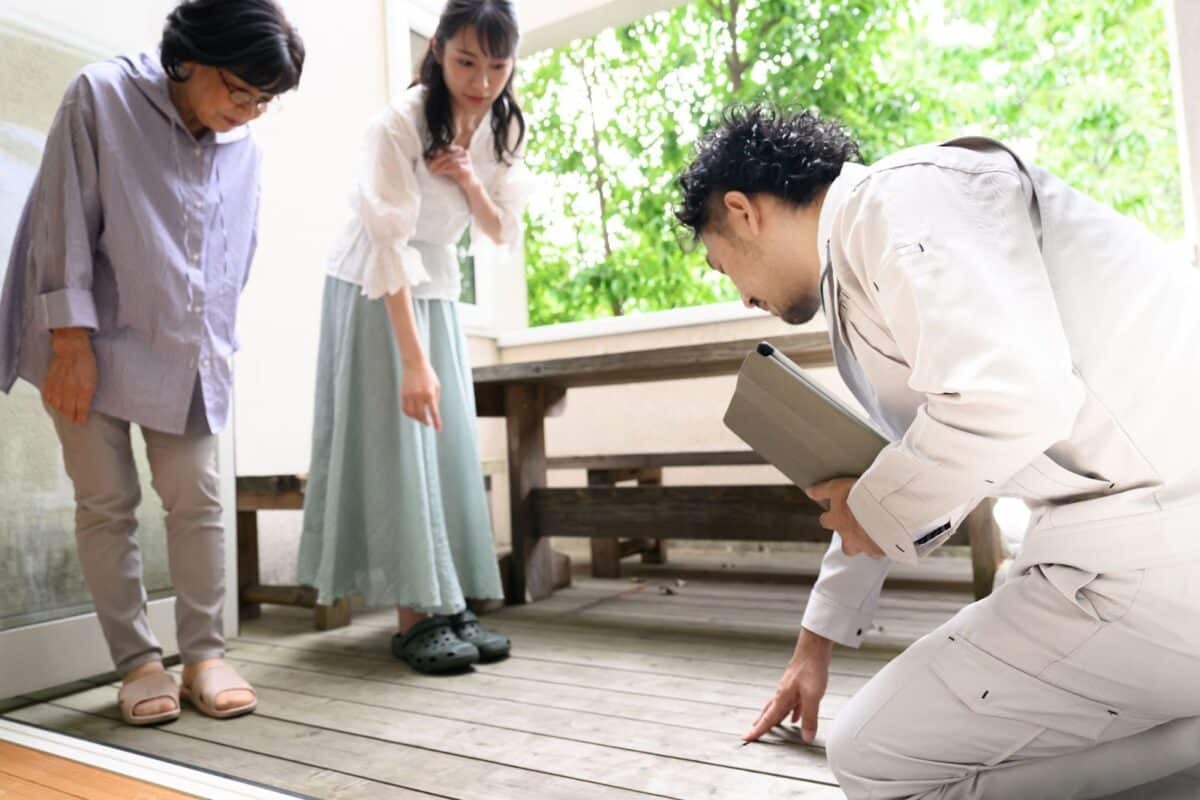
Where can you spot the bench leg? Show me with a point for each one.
(334, 616)
(656, 549)
(247, 539)
(606, 552)
(987, 547)
(531, 572)
(606, 558)
(656, 552)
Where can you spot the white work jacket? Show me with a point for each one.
(1013, 338)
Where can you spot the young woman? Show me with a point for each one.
(120, 304)
(395, 508)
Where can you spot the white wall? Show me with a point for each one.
(311, 147)
(113, 28)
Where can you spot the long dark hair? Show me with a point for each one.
(495, 21)
(250, 38)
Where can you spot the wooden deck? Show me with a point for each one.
(617, 689)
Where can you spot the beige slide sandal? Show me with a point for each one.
(151, 687)
(209, 684)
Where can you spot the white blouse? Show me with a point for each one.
(406, 223)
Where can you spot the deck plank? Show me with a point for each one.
(338, 737)
(628, 703)
(663, 737)
(724, 693)
(533, 646)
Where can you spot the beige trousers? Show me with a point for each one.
(99, 461)
(1062, 684)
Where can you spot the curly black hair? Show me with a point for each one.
(756, 149)
(250, 38)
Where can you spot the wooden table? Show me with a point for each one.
(525, 393)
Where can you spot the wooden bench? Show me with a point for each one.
(526, 393)
(286, 493)
(649, 513)
(274, 493)
(645, 469)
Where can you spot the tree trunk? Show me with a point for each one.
(598, 178)
(733, 59)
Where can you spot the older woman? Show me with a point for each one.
(120, 304)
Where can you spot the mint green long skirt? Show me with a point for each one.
(394, 510)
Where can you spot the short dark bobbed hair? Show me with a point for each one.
(250, 38)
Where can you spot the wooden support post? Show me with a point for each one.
(987, 546)
(525, 406)
(606, 558)
(247, 539)
(606, 553)
(656, 551)
(334, 616)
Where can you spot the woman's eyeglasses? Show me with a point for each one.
(244, 99)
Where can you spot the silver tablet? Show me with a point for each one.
(791, 421)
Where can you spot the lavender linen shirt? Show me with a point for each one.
(142, 233)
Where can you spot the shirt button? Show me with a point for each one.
(195, 257)
(197, 151)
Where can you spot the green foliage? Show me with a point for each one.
(1080, 87)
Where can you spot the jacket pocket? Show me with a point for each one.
(965, 707)
(1103, 597)
(1018, 702)
(1046, 481)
